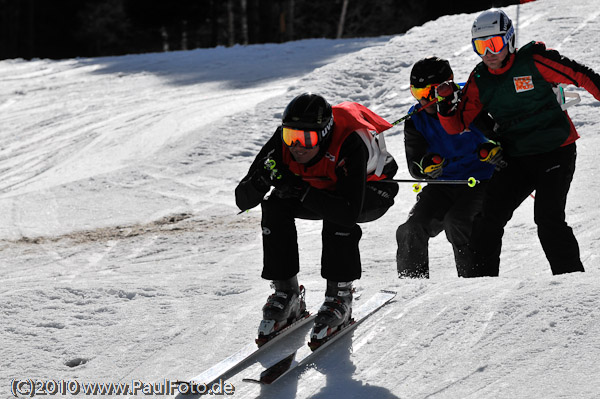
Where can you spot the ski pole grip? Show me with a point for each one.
(270, 164)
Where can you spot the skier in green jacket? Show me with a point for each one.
(518, 88)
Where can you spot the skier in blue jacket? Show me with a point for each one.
(431, 153)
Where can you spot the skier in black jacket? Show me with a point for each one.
(317, 161)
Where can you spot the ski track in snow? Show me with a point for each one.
(123, 256)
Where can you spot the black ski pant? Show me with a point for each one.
(550, 175)
(448, 208)
(340, 255)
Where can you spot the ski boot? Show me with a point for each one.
(285, 306)
(334, 314)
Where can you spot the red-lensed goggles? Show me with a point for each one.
(427, 92)
(306, 138)
(494, 45)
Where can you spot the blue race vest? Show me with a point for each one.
(459, 150)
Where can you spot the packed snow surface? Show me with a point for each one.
(123, 256)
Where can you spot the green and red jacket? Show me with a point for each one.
(520, 99)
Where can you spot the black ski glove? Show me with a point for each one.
(491, 153)
(262, 178)
(431, 165)
(289, 185)
(448, 94)
(292, 190)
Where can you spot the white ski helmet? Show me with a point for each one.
(494, 22)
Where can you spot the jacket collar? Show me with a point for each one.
(508, 63)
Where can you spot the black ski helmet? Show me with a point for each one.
(309, 111)
(430, 70)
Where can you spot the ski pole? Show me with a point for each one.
(405, 117)
(471, 181)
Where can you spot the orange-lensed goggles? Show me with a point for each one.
(306, 138)
(494, 44)
(427, 92)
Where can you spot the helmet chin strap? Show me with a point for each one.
(324, 144)
(507, 59)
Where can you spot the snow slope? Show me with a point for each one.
(123, 256)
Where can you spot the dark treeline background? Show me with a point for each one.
(91, 28)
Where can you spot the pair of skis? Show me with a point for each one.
(290, 361)
(305, 354)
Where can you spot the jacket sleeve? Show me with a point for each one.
(343, 205)
(467, 111)
(247, 196)
(415, 146)
(556, 68)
